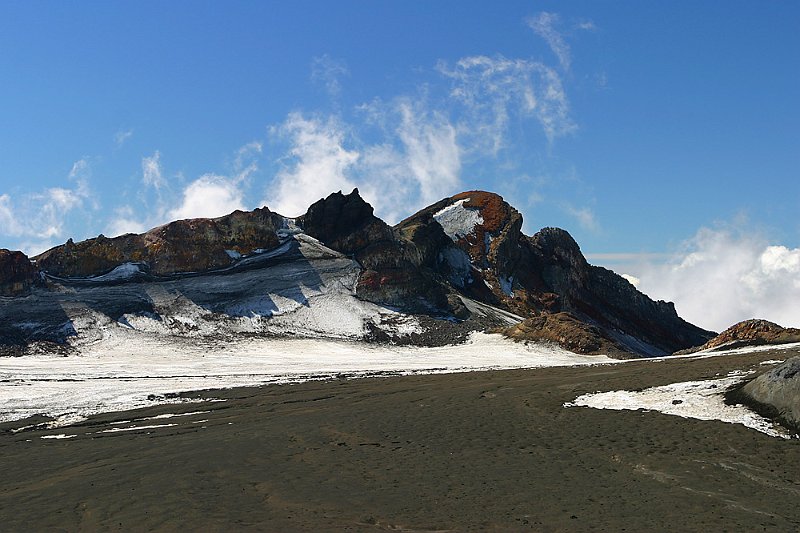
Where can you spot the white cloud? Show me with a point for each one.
(493, 89)
(432, 153)
(246, 161)
(151, 171)
(633, 280)
(8, 219)
(121, 137)
(209, 196)
(124, 222)
(544, 25)
(585, 217)
(328, 71)
(38, 218)
(723, 276)
(316, 164)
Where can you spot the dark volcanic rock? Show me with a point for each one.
(752, 333)
(193, 245)
(779, 390)
(17, 274)
(393, 265)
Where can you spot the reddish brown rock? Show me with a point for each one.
(17, 274)
(568, 332)
(193, 245)
(752, 333)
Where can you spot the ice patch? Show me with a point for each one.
(506, 285)
(233, 254)
(459, 263)
(122, 272)
(701, 400)
(458, 221)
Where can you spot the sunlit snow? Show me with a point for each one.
(129, 369)
(702, 400)
(458, 221)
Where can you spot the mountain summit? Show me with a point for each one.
(459, 265)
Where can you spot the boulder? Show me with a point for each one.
(779, 390)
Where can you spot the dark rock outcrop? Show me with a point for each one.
(393, 266)
(752, 332)
(17, 274)
(193, 245)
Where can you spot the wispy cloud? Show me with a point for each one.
(585, 217)
(121, 137)
(151, 171)
(36, 219)
(492, 89)
(432, 153)
(329, 72)
(724, 275)
(544, 24)
(316, 164)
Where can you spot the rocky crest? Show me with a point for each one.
(752, 333)
(466, 247)
(17, 274)
(193, 245)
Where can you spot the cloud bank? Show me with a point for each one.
(726, 275)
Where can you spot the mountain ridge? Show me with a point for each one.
(431, 265)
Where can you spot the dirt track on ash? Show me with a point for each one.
(460, 452)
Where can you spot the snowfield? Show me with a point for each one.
(128, 369)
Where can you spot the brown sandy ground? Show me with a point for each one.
(479, 451)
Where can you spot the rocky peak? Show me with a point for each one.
(17, 274)
(344, 222)
(558, 246)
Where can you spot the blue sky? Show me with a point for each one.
(662, 135)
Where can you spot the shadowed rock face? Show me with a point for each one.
(17, 274)
(752, 333)
(193, 245)
(779, 389)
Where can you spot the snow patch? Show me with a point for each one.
(233, 254)
(701, 400)
(59, 436)
(137, 428)
(458, 221)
